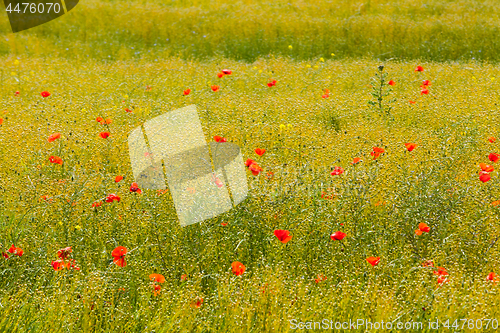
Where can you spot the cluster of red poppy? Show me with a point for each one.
(326, 93)
(484, 174)
(422, 227)
(253, 166)
(424, 87)
(320, 278)
(219, 138)
(112, 197)
(102, 121)
(64, 260)
(13, 250)
(377, 152)
(55, 160)
(337, 171)
(156, 278)
(271, 84)
(224, 72)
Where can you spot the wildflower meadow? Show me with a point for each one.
(374, 191)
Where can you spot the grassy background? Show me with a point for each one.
(98, 60)
(437, 30)
(437, 184)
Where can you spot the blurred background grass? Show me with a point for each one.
(438, 30)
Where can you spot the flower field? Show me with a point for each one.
(371, 155)
(352, 212)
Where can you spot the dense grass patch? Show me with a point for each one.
(437, 30)
(378, 203)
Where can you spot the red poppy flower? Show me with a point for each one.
(16, 250)
(112, 197)
(157, 278)
(425, 83)
(156, 289)
(99, 120)
(227, 72)
(56, 160)
(118, 255)
(356, 160)
(337, 171)
(187, 91)
(283, 235)
(377, 152)
(419, 69)
(373, 260)
(1, 121)
(272, 83)
(410, 146)
(104, 135)
(491, 139)
(118, 179)
(197, 303)
(249, 162)
(45, 94)
(486, 168)
(5, 255)
(484, 176)
(64, 253)
(218, 138)
(54, 137)
(325, 96)
(493, 157)
(491, 276)
(441, 271)
(223, 224)
(424, 91)
(238, 268)
(108, 121)
(412, 102)
(320, 278)
(337, 235)
(183, 277)
(442, 279)
(58, 265)
(260, 151)
(392, 83)
(17, 93)
(215, 88)
(219, 75)
(96, 204)
(135, 188)
(128, 110)
(255, 168)
(424, 227)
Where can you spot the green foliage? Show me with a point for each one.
(380, 90)
(437, 30)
